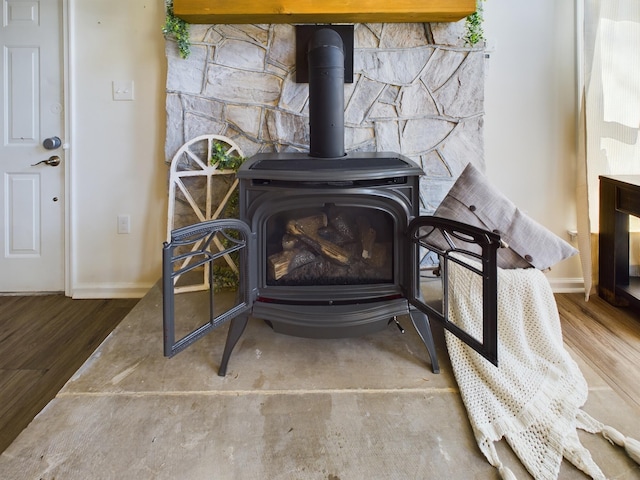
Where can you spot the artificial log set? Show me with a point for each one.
(335, 245)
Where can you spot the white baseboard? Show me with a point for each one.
(106, 290)
(135, 290)
(567, 285)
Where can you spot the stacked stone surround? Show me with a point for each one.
(417, 90)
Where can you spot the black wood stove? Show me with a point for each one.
(328, 243)
(330, 261)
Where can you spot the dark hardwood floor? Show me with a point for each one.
(45, 339)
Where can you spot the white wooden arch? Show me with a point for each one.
(193, 160)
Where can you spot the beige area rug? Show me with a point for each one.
(289, 408)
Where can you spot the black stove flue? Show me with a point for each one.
(325, 55)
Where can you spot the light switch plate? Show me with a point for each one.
(124, 223)
(123, 90)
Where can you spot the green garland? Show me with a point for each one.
(225, 161)
(177, 29)
(474, 31)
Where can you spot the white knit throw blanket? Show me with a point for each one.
(534, 398)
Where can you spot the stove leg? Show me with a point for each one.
(238, 324)
(421, 323)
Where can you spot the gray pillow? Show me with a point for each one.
(473, 200)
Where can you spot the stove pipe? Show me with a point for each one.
(326, 94)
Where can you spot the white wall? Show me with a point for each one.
(116, 146)
(530, 121)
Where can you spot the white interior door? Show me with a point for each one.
(31, 191)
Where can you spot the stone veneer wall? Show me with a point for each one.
(417, 90)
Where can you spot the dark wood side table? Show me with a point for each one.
(619, 198)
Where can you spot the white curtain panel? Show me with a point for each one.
(610, 110)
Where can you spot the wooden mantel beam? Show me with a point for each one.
(322, 11)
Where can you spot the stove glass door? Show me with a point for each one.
(221, 249)
(472, 270)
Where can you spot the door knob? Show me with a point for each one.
(52, 161)
(52, 143)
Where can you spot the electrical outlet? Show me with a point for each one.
(124, 224)
(122, 90)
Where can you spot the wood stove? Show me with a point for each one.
(330, 263)
(329, 243)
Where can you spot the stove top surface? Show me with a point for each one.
(301, 166)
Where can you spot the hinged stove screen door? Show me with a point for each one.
(440, 249)
(207, 246)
